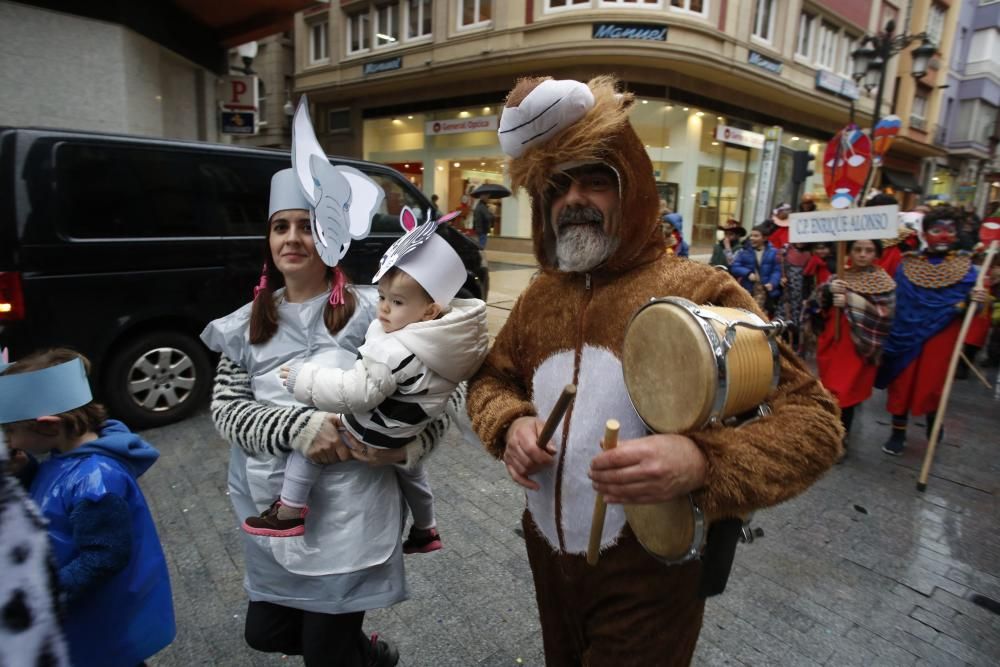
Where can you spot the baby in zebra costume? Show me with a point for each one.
(422, 345)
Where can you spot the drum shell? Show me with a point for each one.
(679, 374)
(712, 382)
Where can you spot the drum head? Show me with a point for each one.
(670, 369)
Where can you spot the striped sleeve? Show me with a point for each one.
(255, 427)
(425, 442)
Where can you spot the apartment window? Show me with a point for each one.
(653, 4)
(935, 24)
(261, 103)
(474, 13)
(318, 46)
(826, 45)
(358, 32)
(804, 45)
(918, 113)
(763, 20)
(556, 5)
(848, 44)
(386, 25)
(418, 18)
(693, 6)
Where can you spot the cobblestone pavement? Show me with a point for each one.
(860, 570)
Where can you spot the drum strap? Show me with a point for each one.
(717, 559)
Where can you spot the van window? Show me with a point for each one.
(386, 219)
(111, 191)
(238, 188)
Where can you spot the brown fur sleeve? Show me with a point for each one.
(497, 394)
(775, 458)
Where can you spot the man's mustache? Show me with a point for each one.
(578, 215)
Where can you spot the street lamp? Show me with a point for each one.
(872, 57)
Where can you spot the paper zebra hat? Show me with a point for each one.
(341, 199)
(426, 257)
(47, 391)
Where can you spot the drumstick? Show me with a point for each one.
(597, 524)
(567, 396)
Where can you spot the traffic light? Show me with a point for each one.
(800, 166)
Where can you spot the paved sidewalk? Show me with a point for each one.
(860, 570)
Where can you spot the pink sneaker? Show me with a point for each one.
(269, 525)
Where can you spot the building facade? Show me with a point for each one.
(68, 71)
(726, 90)
(970, 175)
(274, 66)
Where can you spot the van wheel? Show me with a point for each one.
(158, 378)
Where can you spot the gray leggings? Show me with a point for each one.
(301, 474)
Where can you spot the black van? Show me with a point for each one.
(124, 248)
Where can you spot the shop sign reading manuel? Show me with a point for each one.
(648, 32)
(382, 65)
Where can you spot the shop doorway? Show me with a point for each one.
(722, 193)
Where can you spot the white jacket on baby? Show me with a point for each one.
(402, 380)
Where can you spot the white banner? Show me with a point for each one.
(847, 224)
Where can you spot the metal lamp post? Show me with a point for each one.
(872, 58)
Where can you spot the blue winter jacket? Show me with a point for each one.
(745, 263)
(675, 219)
(110, 563)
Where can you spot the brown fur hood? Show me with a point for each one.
(604, 135)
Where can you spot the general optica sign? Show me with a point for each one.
(476, 124)
(849, 224)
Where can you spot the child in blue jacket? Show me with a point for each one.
(758, 269)
(111, 569)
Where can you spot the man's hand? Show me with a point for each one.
(283, 374)
(839, 300)
(838, 286)
(769, 287)
(653, 469)
(979, 295)
(328, 446)
(523, 456)
(752, 277)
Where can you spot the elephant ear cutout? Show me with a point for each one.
(343, 199)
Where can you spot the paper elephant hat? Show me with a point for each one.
(341, 199)
(426, 257)
(47, 391)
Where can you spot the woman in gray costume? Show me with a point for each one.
(308, 595)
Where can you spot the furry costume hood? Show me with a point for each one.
(601, 134)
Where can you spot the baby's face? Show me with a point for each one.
(401, 301)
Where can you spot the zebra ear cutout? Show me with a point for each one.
(407, 219)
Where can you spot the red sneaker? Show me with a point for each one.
(422, 541)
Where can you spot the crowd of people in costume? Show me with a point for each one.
(890, 319)
(331, 395)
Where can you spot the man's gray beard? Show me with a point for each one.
(583, 247)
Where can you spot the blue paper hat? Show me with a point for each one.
(47, 391)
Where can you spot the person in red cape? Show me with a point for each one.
(778, 234)
(933, 288)
(864, 302)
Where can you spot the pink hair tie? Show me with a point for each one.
(337, 291)
(262, 284)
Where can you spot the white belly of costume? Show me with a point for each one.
(601, 395)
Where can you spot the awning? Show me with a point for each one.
(903, 181)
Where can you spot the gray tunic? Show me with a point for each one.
(351, 557)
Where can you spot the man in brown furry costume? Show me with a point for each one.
(597, 239)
